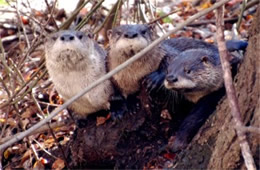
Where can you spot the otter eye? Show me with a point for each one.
(80, 36)
(143, 32)
(118, 33)
(187, 71)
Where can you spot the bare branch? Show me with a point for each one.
(87, 17)
(231, 93)
(251, 129)
(109, 75)
(68, 22)
(243, 8)
(42, 129)
(164, 16)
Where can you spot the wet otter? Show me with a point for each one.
(74, 61)
(197, 74)
(125, 41)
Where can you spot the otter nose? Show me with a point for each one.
(130, 35)
(67, 37)
(171, 78)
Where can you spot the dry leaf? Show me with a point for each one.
(58, 164)
(26, 155)
(7, 153)
(169, 156)
(38, 165)
(101, 120)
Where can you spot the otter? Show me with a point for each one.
(150, 70)
(124, 42)
(197, 75)
(174, 46)
(74, 60)
(127, 40)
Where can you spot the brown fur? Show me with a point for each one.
(73, 65)
(122, 48)
(197, 72)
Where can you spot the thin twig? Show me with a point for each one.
(212, 21)
(110, 74)
(87, 17)
(109, 18)
(249, 129)
(152, 15)
(68, 22)
(231, 93)
(5, 86)
(252, 3)
(43, 148)
(51, 11)
(16, 70)
(23, 86)
(163, 16)
(51, 130)
(22, 25)
(42, 129)
(3, 59)
(241, 14)
(119, 3)
(35, 43)
(33, 150)
(30, 88)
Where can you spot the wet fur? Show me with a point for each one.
(74, 65)
(200, 79)
(205, 73)
(122, 48)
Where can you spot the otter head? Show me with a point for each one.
(195, 72)
(130, 39)
(69, 48)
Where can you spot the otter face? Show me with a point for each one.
(195, 71)
(130, 39)
(68, 48)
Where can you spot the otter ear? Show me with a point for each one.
(151, 27)
(204, 59)
(109, 34)
(90, 35)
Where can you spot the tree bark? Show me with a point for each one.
(216, 146)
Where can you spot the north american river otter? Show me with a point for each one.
(74, 60)
(125, 41)
(197, 74)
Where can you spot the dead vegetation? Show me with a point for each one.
(27, 96)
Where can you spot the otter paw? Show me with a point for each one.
(133, 104)
(178, 145)
(118, 113)
(154, 81)
(118, 107)
(81, 123)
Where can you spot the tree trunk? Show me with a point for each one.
(216, 146)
